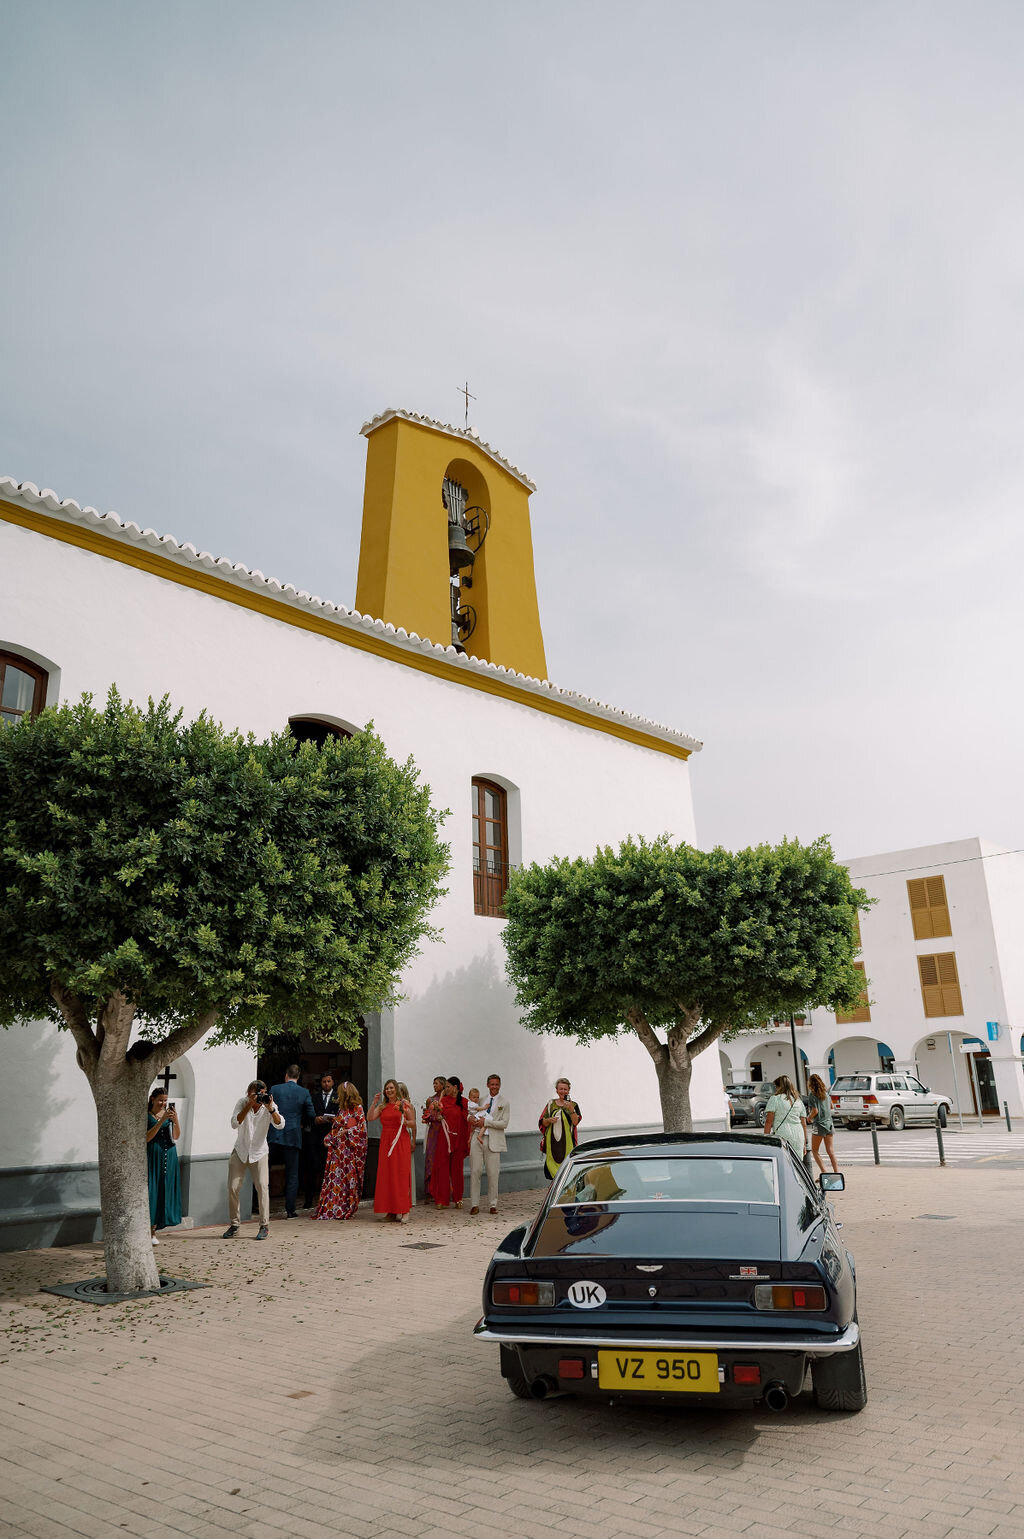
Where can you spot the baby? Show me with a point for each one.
(474, 1108)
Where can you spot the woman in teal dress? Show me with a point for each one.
(162, 1133)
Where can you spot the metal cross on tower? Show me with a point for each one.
(465, 391)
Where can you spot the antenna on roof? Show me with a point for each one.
(464, 390)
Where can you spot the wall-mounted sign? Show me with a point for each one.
(992, 1027)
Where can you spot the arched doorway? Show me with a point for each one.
(960, 1066)
(726, 1067)
(859, 1055)
(769, 1059)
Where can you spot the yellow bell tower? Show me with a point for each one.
(446, 548)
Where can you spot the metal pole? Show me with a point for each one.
(796, 1056)
(874, 1143)
(956, 1082)
(1006, 1114)
(942, 1147)
(976, 1082)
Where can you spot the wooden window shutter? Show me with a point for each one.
(940, 985)
(929, 909)
(863, 1010)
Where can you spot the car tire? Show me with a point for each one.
(839, 1383)
(512, 1373)
(760, 1115)
(897, 1119)
(942, 1116)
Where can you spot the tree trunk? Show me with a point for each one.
(124, 1183)
(674, 1073)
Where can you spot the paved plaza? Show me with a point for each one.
(326, 1383)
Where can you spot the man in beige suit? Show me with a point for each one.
(486, 1151)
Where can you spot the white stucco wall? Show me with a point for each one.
(101, 622)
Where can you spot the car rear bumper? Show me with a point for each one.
(807, 1346)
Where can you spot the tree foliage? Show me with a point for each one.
(659, 937)
(193, 870)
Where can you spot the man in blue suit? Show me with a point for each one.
(294, 1102)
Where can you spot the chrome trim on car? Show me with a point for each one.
(812, 1346)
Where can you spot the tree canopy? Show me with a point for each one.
(661, 937)
(194, 870)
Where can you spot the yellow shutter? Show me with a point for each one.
(863, 1011)
(929, 909)
(940, 985)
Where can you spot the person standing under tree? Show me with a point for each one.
(251, 1118)
(393, 1191)
(297, 1110)
(346, 1158)
(786, 1117)
(162, 1134)
(558, 1123)
(326, 1105)
(819, 1121)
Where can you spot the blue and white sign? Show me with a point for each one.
(992, 1027)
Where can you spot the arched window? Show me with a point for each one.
(22, 687)
(490, 848)
(312, 729)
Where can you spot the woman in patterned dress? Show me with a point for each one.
(346, 1158)
(432, 1115)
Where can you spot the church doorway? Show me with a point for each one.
(314, 1059)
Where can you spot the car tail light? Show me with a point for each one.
(535, 1295)
(570, 1367)
(746, 1373)
(789, 1296)
(835, 1100)
(870, 1100)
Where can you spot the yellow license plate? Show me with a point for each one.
(695, 1373)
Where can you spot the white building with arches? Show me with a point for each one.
(944, 990)
(92, 600)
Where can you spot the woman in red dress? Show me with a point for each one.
(346, 1158)
(447, 1177)
(393, 1192)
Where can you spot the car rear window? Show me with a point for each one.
(852, 1082)
(669, 1180)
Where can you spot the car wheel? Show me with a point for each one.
(839, 1383)
(512, 1373)
(897, 1119)
(760, 1115)
(941, 1116)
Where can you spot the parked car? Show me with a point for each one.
(707, 1266)
(741, 1099)
(890, 1099)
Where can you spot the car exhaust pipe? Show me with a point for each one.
(541, 1388)
(776, 1397)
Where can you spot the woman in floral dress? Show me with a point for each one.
(346, 1158)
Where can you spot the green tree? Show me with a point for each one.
(680, 946)
(206, 884)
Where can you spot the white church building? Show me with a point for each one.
(443, 652)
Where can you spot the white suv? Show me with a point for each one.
(891, 1099)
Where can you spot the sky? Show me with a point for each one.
(739, 286)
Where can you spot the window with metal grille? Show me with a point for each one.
(863, 1010)
(22, 688)
(940, 984)
(929, 909)
(490, 848)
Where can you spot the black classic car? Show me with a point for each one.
(707, 1265)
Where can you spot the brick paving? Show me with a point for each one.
(326, 1383)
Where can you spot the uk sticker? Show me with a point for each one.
(587, 1295)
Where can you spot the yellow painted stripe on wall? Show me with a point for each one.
(363, 641)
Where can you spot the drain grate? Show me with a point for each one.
(94, 1290)
(935, 1215)
(423, 1245)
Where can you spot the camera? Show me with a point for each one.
(264, 1097)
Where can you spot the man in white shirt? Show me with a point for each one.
(251, 1118)
(486, 1153)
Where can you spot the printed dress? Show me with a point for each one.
(346, 1161)
(164, 1178)
(559, 1140)
(432, 1115)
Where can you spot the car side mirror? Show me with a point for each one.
(832, 1181)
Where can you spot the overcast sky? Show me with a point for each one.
(740, 286)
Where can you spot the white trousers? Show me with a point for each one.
(481, 1158)
(260, 1172)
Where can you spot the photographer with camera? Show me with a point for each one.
(252, 1118)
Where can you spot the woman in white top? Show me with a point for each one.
(786, 1117)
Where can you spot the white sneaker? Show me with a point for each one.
(155, 1240)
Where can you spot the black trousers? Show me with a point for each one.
(315, 1162)
(282, 1154)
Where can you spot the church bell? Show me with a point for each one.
(459, 553)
